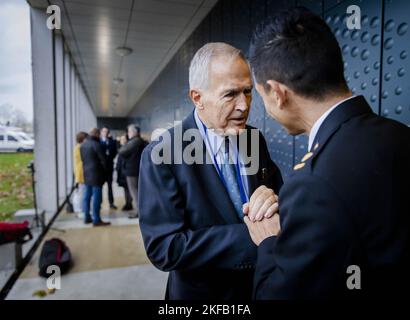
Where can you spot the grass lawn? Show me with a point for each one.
(15, 183)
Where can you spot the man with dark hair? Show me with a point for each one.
(94, 166)
(297, 49)
(109, 148)
(344, 212)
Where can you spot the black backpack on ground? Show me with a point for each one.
(54, 252)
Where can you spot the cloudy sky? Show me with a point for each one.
(15, 56)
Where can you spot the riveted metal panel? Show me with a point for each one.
(280, 145)
(315, 6)
(360, 48)
(395, 101)
(216, 23)
(257, 112)
(227, 20)
(241, 15)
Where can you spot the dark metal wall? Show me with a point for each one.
(114, 123)
(376, 64)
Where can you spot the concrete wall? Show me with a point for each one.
(61, 108)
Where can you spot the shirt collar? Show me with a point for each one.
(318, 123)
(215, 140)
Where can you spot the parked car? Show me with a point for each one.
(12, 141)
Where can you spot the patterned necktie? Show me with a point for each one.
(229, 173)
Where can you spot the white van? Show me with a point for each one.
(12, 141)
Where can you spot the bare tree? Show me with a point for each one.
(11, 116)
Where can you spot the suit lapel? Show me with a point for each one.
(253, 183)
(208, 175)
(253, 179)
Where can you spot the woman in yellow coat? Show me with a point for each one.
(78, 173)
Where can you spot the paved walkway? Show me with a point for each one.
(109, 262)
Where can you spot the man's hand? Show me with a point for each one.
(260, 230)
(263, 204)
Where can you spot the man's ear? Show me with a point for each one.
(196, 98)
(279, 93)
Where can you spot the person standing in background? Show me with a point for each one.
(121, 178)
(78, 174)
(94, 166)
(131, 152)
(109, 148)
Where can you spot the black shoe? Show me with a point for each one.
(88, 221)
(127, 207)
(113, 207)
(102, 224)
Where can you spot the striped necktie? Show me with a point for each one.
(230, 175)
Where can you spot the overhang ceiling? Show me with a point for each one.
(154, 29)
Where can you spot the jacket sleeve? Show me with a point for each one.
(77, 159)
(118, 165)
(307, 259)
(170, 244)
(114, 148)
(130, 147)
(78, 165)
(101, 156)
(274, 178)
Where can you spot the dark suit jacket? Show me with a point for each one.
(120, 166)
(94, 162)
(131, 153)
(190, 227)
(347, 205)
(109, 149)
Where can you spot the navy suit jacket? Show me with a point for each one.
(94, 162)
(110, 151)
(190, 227)
(345, 204)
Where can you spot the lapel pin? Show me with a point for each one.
(264, 170)
(299, 166)
(307, 156)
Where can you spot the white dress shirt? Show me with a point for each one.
(213, 145)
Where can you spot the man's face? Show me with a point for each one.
(104, 132)
(131, 133)
(123, 140)
(227, 99)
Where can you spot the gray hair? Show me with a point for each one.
(201, 62)
(134, 128)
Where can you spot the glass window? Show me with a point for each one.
(1, 137)
(23, 136)
(11, 138)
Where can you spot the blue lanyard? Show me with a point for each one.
(242, 192)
